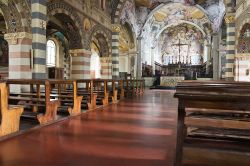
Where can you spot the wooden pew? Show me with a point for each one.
(134, 86)
(10, 115)
(100, 87)
(121, 89)
(129, 87)
(214, 113)
(87, 92)
(113, 90)
(65, 96)
(36, 100)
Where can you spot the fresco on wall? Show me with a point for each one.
(181, 43)
(213, 9)
(4, 52)
(128, 15)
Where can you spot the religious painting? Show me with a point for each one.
(244, 39)
(182, 44)
(4, 53)
(86, 24)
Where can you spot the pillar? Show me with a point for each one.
(20, 60)
(207, 54)
(66, 64)
(115, 50)
(80, 67)
(215, 54)
(139, 58)
(153, 52)
(38, 23)
(230, 55)
(106, 67)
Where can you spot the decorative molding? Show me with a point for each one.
(79, 52)
(116, 27)
(12, 37)
(230, 19)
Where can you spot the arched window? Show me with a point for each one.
(51, 53)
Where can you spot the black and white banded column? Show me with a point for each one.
(39, 18)
(115, 50)
(230, 56)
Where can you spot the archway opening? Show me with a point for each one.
(95, 63)
(66, 35)
(99, 46)
(242, 62)
(4, 50)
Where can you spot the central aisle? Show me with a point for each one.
(138, 132)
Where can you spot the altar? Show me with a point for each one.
(171, 81)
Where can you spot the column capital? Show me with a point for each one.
(230, 18)
(79, 52)
(12, 38)
(116, 27)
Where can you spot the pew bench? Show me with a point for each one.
(9, 115)
(71, 101)
(43, 108)
(213, 113)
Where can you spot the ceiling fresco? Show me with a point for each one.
(213, 9)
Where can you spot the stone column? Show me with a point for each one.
(80, 67)
(230, 21)
(66, 65)
(153, 52)
(20, 59)
(208, 56)
(115, 50)
(139, 59)
(106, 67)
(39, 18)
(215, 54)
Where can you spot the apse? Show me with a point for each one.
(181, 44)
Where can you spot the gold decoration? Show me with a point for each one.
(229, 19)
(160, 16)
(86, 24)
(145, 3)
(116, 28)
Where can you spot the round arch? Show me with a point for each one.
(98, 30)
(181, 22)
(62, 8)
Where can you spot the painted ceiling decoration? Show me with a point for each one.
(125, 40)
(214, 10)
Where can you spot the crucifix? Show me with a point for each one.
(179, 44)
(179, 61)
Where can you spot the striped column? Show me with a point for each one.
(80, 64)
(19, 56)
(230, 45)
(115, 50)
(106, 68)
(66, 64)
(39, 18)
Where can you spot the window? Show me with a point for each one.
(51, 53)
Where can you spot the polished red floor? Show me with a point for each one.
(135, 132)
